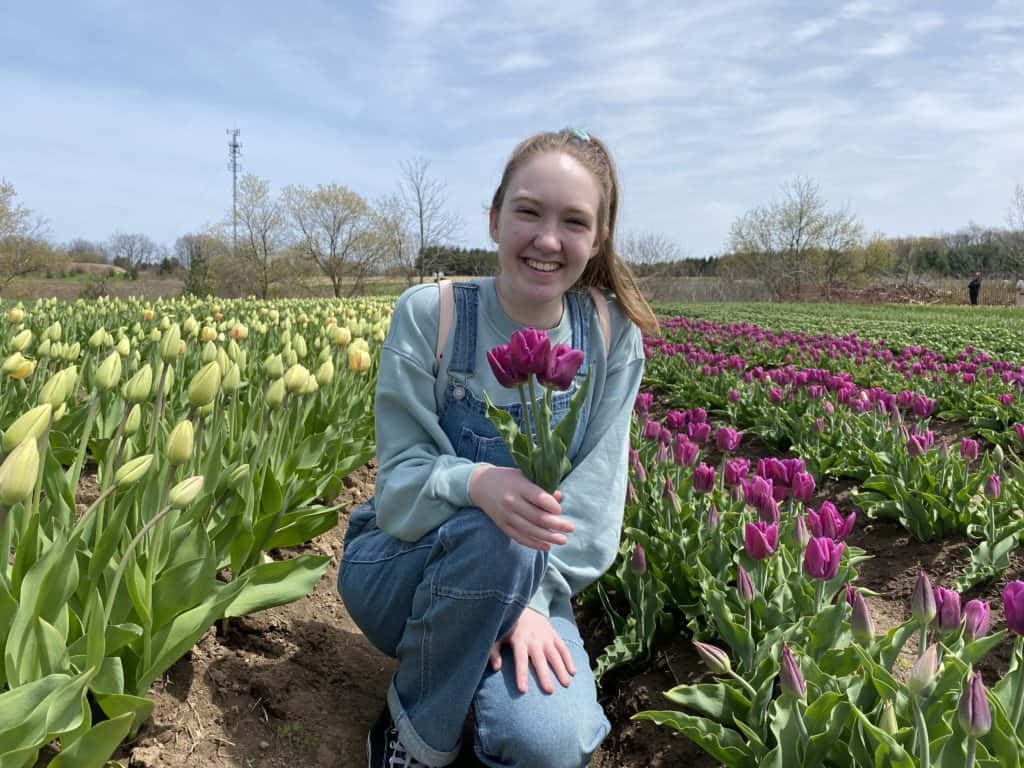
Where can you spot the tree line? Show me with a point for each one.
(290, 241)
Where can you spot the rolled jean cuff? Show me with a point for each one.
(411, 740)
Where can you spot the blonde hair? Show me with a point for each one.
(606, 269)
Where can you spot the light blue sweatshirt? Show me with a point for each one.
(421, 481)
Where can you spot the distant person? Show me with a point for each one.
(1020, 292)
(973, 287)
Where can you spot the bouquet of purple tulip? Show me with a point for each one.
(540, 452)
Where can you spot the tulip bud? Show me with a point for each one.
(133, 470)
(19, 472)
(15, 315)
(716, 659)
(29, 425)
(638, 562)
(861, 624)
(72, 352)
(273, 366)
(801, 536)
(237, 476)
(139, 386)
(180, 443)
(185, 492)
(947, 609)
(21, 341)
(325, 373)
(134, 420)
(12, 363)
(209, 353)
(1013, 606)
(973, 713)
(887, 721)
(299, 345)
(207, 333)
(744, 585)
(204, 385)
(993, 486)
(190, 327)
(358, 360)
(239, 332)
(341, 336)
(714, 517)
(976, 619)
(123, 346)
(296, 378)
(924, 670)
(792, 680)
(922, 602)
(97, 338)
(997, 454)
(169, 345)
(53, 332)
(55, 390)
(109, 372)
(232, 379)
(47, 348)
(275, 393)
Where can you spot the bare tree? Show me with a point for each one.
(262, 232)
(424, 198)
(1013, 240)
(841, 238)
(392, 237)
(130, 251)
(22, 247)
(84, 251)
(196, 253)
(648, 248)
(332, 227)
(775, 243)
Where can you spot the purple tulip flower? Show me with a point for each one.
(638, 562)
(500, 359)
(1019, 429)
(976, 619)
(803, 486)
(822, 557)
(947, 609)
(993, 486)
(563, 364)
(735, 471)
(968, 449)
(703, 477)
(828, 522)
(727, 439)
(760, 539)
(530, 349)
(974, 713)
(1013, 606)
(684, 451)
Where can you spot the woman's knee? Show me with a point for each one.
(562, 738)
(490, 560)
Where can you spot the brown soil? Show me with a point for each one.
(300, 686)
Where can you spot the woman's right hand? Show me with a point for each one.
(524, 511)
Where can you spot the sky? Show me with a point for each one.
(909, 114)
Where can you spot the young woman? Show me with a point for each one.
(460, 567)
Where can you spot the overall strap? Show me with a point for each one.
(463, 357)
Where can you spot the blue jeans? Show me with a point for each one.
(438, 605)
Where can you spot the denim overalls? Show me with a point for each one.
(440, 603)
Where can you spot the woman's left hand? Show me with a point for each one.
(534, 641)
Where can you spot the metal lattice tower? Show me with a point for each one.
(234, 155)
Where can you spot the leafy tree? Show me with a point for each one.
(22, 247)
(332, 227)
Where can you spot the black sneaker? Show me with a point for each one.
(383, 747)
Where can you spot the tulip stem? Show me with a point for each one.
(923, 745)
(116, 581)
(972, 748)
(744, 684)
(922, 640)
(76, 468)
(1018, 704)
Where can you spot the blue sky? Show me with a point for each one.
(910, 113)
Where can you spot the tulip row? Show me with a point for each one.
(211, 443)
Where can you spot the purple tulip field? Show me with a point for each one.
(834, 519)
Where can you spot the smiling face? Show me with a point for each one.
(546, 231)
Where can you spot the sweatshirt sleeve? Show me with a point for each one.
(594, 491)
(421, 482)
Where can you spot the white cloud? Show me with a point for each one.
(890, 44)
